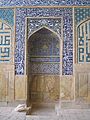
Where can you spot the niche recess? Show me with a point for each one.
(43, 68)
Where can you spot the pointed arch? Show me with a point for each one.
(43, 58)
(82, 22)
(43, 38)
(6, 25)
(82, 44)
(47, 28)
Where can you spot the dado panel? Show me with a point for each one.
(6, 82)
(43, 88)
(82, 83)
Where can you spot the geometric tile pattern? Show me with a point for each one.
(46, 59)
(84, 42)
(6, 28)
(81, 14)
(5, 42)
(44, 68)
(43, 2)
(66, 14)
(82, 20)
(7, 15)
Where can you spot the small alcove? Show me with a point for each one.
(43, 70)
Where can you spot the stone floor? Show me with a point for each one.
(8, 113)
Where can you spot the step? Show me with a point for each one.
(37, 117)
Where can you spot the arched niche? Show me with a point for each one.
(43, 67)
(7, 86)
(82, 64)
(83, 42)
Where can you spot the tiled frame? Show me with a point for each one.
(54, 25)
(66, 13)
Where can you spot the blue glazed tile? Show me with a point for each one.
(81, 14)
(66, 13)
(82, 17)
(7, 19)
(7, 15)
(43, 2)
(44, 68)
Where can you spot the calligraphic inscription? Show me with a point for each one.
(5, 42)
(84, 42)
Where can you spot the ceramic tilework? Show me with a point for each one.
(44, 68)
(83, 30)
(5, 42)
(43, 2)
(46, 59)
(84, 42)
(7, 15)
(44, 47)
(66, 13)
(42, 44)
(6, 27)
(81, 14)
(53, 24)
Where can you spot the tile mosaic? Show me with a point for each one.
(48, 39)
(46, 59)
(82, 20)
(43, 2)
(81, 14)
(6, 28)
(7, 15)
(44, 68)
(51, 23)
(43, 44)
(66, 13)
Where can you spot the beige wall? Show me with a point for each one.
(6, 82)
(15, 87)
(20, 87)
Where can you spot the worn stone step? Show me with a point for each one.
(33, 117)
